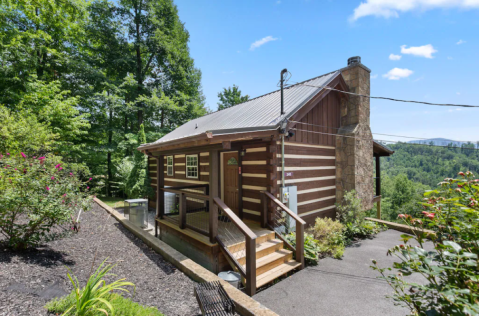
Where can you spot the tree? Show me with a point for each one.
(138, 184)
(231, 96)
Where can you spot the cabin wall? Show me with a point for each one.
(310, 160)
(179, 176)
(256, 176)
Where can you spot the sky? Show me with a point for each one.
(424, 50)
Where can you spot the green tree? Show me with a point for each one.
(138, 184)
(231, 96)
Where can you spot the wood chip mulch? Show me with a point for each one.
(29, 279)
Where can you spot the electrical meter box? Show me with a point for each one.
(289, 197)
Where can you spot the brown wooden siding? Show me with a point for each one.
(179, 167)
(325, 114)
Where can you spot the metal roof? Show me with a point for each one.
(258, 114)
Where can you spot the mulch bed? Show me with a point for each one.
(28, 280)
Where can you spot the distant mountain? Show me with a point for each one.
(438, 142)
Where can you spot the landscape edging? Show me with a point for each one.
(245, 305)
(404, 228)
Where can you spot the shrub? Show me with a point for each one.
(329, 235)
(37, 193)
(94, 296)
(451, 282)
(349, 213)
(311, 248)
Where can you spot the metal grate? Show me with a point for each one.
(213, 299)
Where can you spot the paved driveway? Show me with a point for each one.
(339, 287)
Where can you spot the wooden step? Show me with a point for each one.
(276, 272)
(273, 260)
(262, 250)
(259, 240)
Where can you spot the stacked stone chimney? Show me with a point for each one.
(354, 152)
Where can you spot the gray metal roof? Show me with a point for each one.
(258, 114)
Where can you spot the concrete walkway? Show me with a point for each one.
(339, 287)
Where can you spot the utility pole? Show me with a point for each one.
(282, 83)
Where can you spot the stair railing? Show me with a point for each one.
(279, 222)
(227, 235)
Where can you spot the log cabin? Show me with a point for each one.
(236, 189)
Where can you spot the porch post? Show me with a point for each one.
(160, 194)
(214, 192)
(378, 187)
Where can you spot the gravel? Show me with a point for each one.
(29, 279)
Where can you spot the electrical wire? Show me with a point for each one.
(459, 141)
(385, 98)
(378, 140)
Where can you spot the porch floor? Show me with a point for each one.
(199, 220)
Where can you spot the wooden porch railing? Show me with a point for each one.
(182, 206)
(249, 271)
(300, 224)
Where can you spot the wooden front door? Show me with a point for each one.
(230, 180)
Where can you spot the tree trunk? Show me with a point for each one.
(139, 66)
(110, 139)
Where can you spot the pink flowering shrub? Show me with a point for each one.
(451, 270)
(35, 195)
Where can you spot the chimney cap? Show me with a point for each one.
(354, 60)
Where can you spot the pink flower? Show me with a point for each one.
(41, 158)
(1, 156)
(34, 157)
(89, 179)
(23, 155)
(461, 173)
(71, 174)
(87, 188)
(53, 178)
(8, 154)
(401, 216)
(60, 168)
(48, 189)
(57, 166)
(430, 215)
(65, 194)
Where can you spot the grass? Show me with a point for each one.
(112, 201)
(122, 306)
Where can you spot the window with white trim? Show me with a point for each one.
(192, 166)
(169, 166)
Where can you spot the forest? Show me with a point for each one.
(416, 168)
(79, 79)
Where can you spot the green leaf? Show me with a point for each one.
(453, 245)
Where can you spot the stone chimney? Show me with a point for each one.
(354, 151)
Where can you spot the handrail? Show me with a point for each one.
(284, 208)
(250, 243)
(300, 223)
(198, 196)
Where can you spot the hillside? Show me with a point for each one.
(429, 164)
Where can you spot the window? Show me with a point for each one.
(192, 166)
(169, 166)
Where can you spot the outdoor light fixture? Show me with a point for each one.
(243, 152)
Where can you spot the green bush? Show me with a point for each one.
(349, 213)
(138, 181)
(36, 194)
(311, 248)
(329, 236)
(450, 284)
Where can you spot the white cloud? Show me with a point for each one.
(458, 93)
(394, 57)
(422, 51)
(374, 76)
(398, 73)
(278, 2)
(262, 41)
(460, 42)
(450, 58)
(392, 8)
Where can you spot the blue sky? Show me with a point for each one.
(434, 46)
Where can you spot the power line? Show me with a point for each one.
(386, 98)
(459, 141)
(380, 140)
